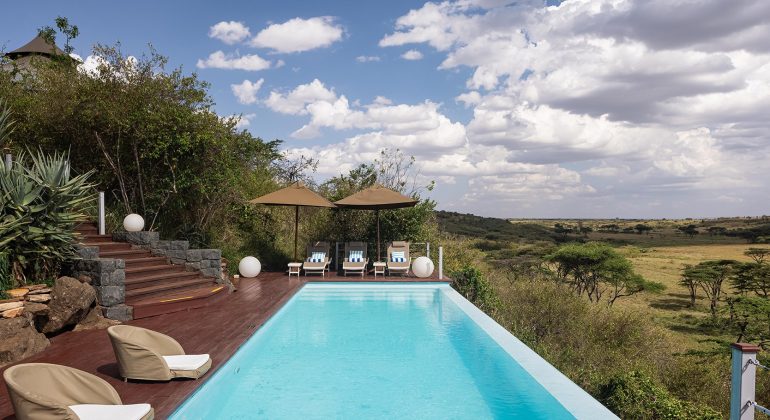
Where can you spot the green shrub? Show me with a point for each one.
(470, 282)
(42, 204)
(634, 395)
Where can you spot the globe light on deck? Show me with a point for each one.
(249, 267)
(422, 267)
(133, 223)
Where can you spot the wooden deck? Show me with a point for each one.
(218, 329)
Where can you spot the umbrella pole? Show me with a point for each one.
(379, 256)
(296, 230)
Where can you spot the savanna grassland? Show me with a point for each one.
(647, 354)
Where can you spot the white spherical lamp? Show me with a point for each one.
(133, 223)
(422, 267)
(249, 267)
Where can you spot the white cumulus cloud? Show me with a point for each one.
(297, 35)
(230, 32)
(246, 91)
(412, 55)
(220, 60)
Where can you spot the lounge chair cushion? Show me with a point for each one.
(397, 256)
(317, 257)
(112, 412)
(186, 361)
(356, 256)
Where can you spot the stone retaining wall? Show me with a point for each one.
(206, 261)
(107, 276)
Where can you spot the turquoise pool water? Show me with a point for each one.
(366, 351)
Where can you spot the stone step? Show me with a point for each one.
(145, 262)
(166, 287)
(143, 281)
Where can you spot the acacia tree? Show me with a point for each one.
(642, 228)
(757, 254)
(710, 276)
(690, 282)
(597, 270)
(689, 230)
(750, 316)
(752, 278)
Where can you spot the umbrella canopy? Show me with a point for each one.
(297, 195)
(377, 198)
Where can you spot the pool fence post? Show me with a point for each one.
(102, 228)
(441, 263)
(742, 387)
(8, 161)
(427, 249)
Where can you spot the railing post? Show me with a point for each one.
(101, 213)
(441, 263)
(427, 249)
(743, 381)
(8, 161)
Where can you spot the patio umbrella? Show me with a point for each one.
(376, 198)
(297, 195)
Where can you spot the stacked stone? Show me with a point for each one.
(207, 261)
(108, 277)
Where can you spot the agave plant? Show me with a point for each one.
(42, 202)
(6, 123)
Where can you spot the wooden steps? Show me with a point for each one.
(154, 286)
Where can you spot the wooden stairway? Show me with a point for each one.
(154, 286)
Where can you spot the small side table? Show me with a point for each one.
(379, 268)
(294, 268)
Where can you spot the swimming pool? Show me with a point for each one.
(343, 350)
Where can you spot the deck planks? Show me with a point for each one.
(218, 329)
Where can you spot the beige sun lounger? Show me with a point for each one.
(42, 391)
(399, 267)
(149, 355)
(358, 267)
(317, 267)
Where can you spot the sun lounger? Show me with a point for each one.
(46, 392)
(317, 260)
(355, 258)
(398, 258)
(149, 355)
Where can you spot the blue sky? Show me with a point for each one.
(628, 109)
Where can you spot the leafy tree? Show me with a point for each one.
(757, 254)
(689, 230)
(710, 276)
(750, 316)
(635, 395)
(393, 170)
(717, 230)
(596, 270)
(471, 283)
(642, 228)
(69, 31)
(156, 145)
(752, 278)
(690, 281)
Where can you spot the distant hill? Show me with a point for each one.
(493, 229)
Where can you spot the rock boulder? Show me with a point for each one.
(20, 340)
(71, 301)
(94, 320)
